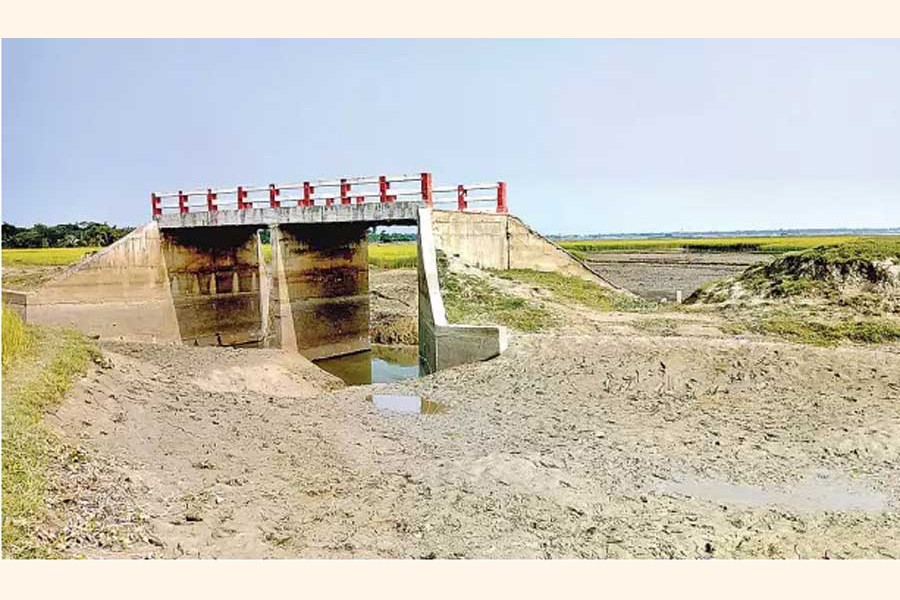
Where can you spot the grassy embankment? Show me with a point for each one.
(821, 296)
(578, 291)
(473, 300)
(38, 367)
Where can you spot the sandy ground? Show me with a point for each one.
(616, 436)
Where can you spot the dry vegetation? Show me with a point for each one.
(38, 367)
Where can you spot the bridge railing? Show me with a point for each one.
(496, 196)
(348, 190)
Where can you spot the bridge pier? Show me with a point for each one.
(217, 279)
(320, 288)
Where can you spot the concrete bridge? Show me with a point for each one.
(196, 274)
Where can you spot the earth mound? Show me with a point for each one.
(864, 273)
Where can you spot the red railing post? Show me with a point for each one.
(273, 192)
(461, 197)
(156, 206)
(307, 194)
(360, 199)
(329, 201)
(182, 202)
(210, 200)
(241, 195)
(383, 187)
(426, 189)
(501, 197)
(345, 191)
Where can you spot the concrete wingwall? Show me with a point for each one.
(121, 292)
(195, 286)
(443, 345)
(502, 241)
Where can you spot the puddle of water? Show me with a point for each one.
(383, 364)
(822, 493)
(407, 404)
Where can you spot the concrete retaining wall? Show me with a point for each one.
(442, 345)
(121, 292)
(496, 241)
(16, 302)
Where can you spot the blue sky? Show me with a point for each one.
(591, 135)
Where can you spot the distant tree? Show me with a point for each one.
(66, 235)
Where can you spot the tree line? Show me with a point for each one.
(66, 235)
(385, 237)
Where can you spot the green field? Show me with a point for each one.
(44, 257)
(393, 256)
(771, 245)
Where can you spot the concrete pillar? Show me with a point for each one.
(216, 282)
(321, 281)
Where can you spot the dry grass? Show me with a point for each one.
(36, 374)
(18, 339)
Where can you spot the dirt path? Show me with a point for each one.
(590, 441)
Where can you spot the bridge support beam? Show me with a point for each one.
(320, 288)
(217, 280)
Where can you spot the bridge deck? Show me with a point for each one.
(375, 213)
